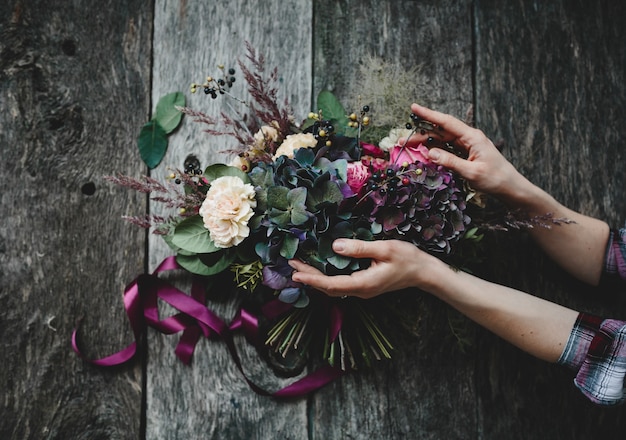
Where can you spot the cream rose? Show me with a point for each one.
(294, 142)
(226, 210)
(266, 133)
(387, 143)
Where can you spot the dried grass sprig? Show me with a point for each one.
(264, 93)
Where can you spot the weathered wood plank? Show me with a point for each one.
(73, 91)
(210, 399)
(426, 390)
(550, 83)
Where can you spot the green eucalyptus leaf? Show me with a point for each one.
(168, 240)
(152, 143)
(192, 236)
(215, 171)
(331, 108)
(193, 264)
(167, 115)
(218, 262)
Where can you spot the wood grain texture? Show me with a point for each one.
(67, 119)
(550, 84)
(427, 389)
(545, 77)
(210, 399)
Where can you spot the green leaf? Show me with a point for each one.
(152, 143)
(277, 197)
(215, 171)
(193, 264)
(289, 247)
(332, 109)
(167, 115)
(192, 236)
(216, 263)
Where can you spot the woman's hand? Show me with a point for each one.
(395, 265)
(488, 171)
(485, 168)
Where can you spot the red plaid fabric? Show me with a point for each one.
(597, 347)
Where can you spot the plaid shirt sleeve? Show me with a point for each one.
(596, 347)
(615, 258)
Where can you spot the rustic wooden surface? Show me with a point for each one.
(73, 90)
(550, 84)
(210, 399)
(545, 77)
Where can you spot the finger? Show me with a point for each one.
(450, 161)
(376, 250)
(452, 126)
(338, 285)
(301, 266)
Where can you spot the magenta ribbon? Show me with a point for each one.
(195, 320)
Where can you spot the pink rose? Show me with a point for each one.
(399, 155)
(374, 163)
(358, 175)
(372, 150)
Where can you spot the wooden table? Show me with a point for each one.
(77, 81)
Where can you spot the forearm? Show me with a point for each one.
(578, 247)
(536, 326)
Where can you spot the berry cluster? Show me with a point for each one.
(390, 179)
(213, 86)
(322, 128)
(433, 130)
(363, 120)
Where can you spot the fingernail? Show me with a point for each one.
(434, 155)
(339, 245)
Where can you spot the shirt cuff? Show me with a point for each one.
(615, 256)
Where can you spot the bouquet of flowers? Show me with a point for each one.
(291, 190)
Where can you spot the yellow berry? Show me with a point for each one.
(172, 176)
(405, 164)
(209, 79)
(328, 143)
(352, 116)
(366, 120)
(311, 115)
(419, 171)
(182, 210)
(220, 66)
(322, 133)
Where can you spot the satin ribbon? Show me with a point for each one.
(195, 320)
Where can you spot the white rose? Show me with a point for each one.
(294, 142)
(266, 133)
(387, 143)
(226, 210)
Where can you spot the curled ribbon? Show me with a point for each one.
(195, 320)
